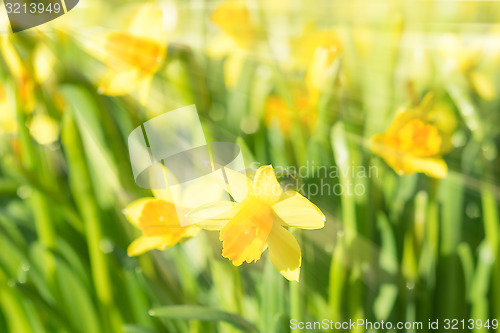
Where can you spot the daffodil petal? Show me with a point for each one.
(144, 244)
(245, 235)
(284, 252)
(172, 192)
(233, 18)
(134, 209)
(202, 191)
(266, 186)
(191, 231)
(213, 216)
(118, 83)
(401, 119)
(147, 22)
(233, 67)
(234, 182)
(405, 163)
(483, 85)
(432, 167)
(297, 211)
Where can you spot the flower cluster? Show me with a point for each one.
(257, 219)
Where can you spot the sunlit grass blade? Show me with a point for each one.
(450, 278)
(100, 162)
(80, 182)
(137, 329)
(193, 312)
(386, 298)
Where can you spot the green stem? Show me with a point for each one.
(80, 182)
(491, 228)
(43, 222)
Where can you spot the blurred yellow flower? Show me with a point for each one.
(316, 50)
(417, 139)
(157, 218)
(258, 220)
(233, 18)
(44, 129)
(467, 59)
(43, 63)
(18, 70)
(133, 56)
(303, 111)
(8, 121)
(239, 37)
(313, 39)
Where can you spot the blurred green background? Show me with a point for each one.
(294, 83)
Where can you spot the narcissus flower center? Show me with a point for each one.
(159, 218)
(244, 236)
(419, 139)
(127, 51)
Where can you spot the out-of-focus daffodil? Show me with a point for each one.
(233, 18)
(43, 63)
(238, 38)
(316, 50)
(303, 112)
(132, 56)
(157, 218)
(19, 89)
(467, 59)
(259, 219)
(24, 82)
(312, 40)
(417, 139)
(483, 85)
(44, 129)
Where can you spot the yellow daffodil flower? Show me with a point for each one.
(276, 109)
(259, 219)
(15, 64)
(133, 56)
(233, 18)
(239, 37)
(313, 39)
(157, 218)
(416, 140)
(467, 59)
(316, 50)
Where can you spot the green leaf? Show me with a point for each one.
(195, 312)
(136, 329)
(101, 165)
